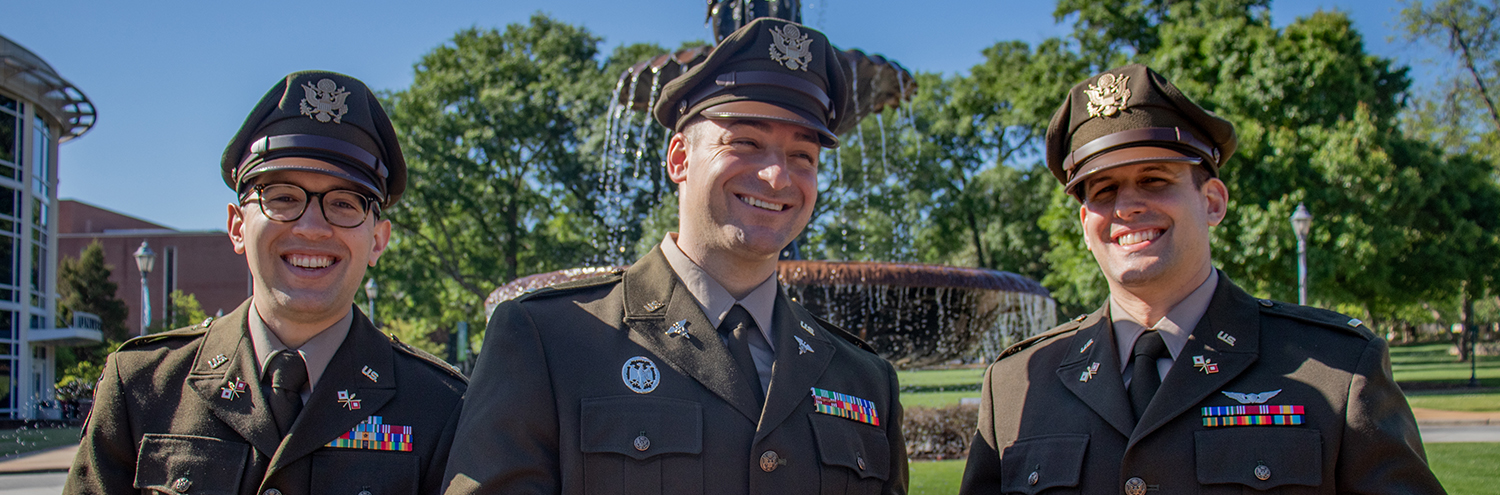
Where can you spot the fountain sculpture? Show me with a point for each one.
(913, 314)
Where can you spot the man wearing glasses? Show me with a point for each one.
(295, 392)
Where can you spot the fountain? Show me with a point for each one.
(913, 314)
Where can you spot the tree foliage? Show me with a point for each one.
(83, 284)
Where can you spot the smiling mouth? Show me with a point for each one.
(309, 261)
(761, 204)
(1138, 237)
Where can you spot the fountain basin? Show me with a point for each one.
(912, 314)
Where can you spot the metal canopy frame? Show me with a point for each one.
(26, 74)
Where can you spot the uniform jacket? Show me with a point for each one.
(550, 410)
(170, 417)
(1055, 416)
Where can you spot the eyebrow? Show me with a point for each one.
(802, 135)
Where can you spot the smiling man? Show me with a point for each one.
(1181, 382)
(295, 392)
(692, 372)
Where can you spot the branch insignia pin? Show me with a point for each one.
(1207, 366)
(678, 329)
(232, 390)
(1089, 373)
(346, 399)
(802, 347)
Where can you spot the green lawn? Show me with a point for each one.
(930, 378)
(29, 439)
(1429, 366)
(1463, 468)
(1487, 401)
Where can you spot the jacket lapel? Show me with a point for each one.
(1091, 371)
(243, 406)
(1231, 311)
(326, 417)
(650, 283)
(797, 369)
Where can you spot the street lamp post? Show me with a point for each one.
(1301, 224)
(145, 260)
(370, 290)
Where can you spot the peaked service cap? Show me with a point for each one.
(770, 69)
(325, 116)
(1131, 115)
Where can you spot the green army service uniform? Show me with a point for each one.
(1055, 417)
(588, 389)
(1260, 395)
(184, 412)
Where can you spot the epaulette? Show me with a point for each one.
(427, 357)
(1071, 325)
(571, 286)
(1316, 316)
(193, 331)
(853, 339)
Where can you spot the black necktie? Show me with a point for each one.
(288, 374)
(1144, 379)
(738, 329)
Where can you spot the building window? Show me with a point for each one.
(11, 132)
(41, 160)
(10, 248)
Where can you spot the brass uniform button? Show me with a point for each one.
(182, 484)
(642, 443)
(365, 492)
(769, 461)
(1135, 486)
(1033, 478)
(1262, 472)
(271, 491)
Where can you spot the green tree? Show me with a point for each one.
(186, 311)
(1462, 113)
(83, 284)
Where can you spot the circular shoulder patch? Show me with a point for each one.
(640, 374)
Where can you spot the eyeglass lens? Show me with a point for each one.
(287, 203)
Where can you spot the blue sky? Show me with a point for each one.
(173, 81)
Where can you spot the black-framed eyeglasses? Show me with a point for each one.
(287, 203)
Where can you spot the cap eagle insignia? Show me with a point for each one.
(791, 47)
(324, 102)
(1108, 95)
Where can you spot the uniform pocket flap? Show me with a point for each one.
(857, 446)
(189, 464)
(1038, 463)
(641, 427)
(1260, 458)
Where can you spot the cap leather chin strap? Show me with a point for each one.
(1174, 137)
(262, 149)
(729, 80)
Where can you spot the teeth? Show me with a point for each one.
(1138, 237)
(305, 261)
(761, 204)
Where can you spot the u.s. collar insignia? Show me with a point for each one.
(640, 374)
(802, 347)
(807, 327)
(1227, 338)
(371, 374)
(1108, 96)
(678, 329)
(1089, 373)
(1207, 366)
(346, 399)
(324, 102)
(1252, 398)
(1086, 346)
(232, 390)
(654, 305)
(791, 47)
(218, 361)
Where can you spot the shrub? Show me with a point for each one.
(941, 432)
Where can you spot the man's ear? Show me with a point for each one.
(236, 228)
(382, 240)
(1216, 198)
(677, 158)
(1083, 214)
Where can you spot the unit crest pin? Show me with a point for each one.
(347, 400)
(232, 390)
(1207, 366)
(802, 347)
(371, 374)
(640, 375)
